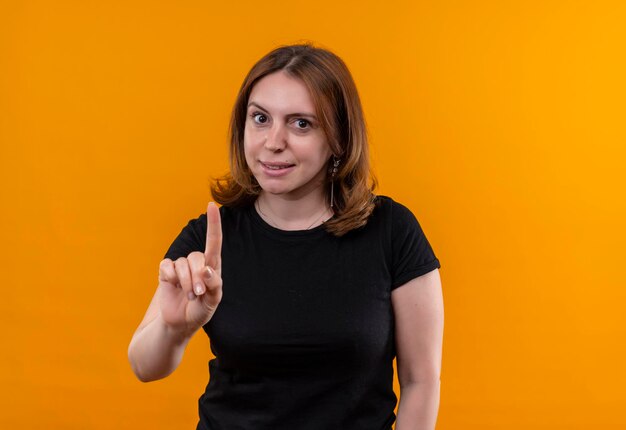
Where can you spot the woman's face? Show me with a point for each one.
(284, 145)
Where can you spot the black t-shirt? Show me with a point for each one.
(304, 334)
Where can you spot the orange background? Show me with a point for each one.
(501, 124)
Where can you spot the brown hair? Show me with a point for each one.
(339, 109)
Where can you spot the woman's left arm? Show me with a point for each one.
(418, 310)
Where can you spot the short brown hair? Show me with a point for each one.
(338, 106)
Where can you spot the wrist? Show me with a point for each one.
(177, 335)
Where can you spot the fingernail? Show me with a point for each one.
(199, 289)
(191, 295)
(208, 273)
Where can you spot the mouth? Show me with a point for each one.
(276, 169)
(276, 165)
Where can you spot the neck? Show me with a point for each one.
(294, 214)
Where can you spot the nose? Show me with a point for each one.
(276, 138)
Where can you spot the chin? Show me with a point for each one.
(273, 188)
(276, 190)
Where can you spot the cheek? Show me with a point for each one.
(248, 141)
(324, 152)
(251, 138)
(246, 150)
(247, 153)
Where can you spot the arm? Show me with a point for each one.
(418, 310)
(156, 349)
(189, 291)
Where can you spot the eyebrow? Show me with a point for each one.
(291, 115)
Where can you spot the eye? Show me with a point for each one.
(302, 124)
(259, 118)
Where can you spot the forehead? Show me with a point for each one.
(282, 94)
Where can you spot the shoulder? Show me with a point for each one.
(388, 202)
(411, 252)
(192, 237)
(392, 211)
(394, 218)
(227, 214)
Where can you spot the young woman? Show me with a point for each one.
(306, 283)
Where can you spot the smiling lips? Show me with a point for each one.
(276, 168)
(276, 165)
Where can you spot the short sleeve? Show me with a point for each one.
(412, 255)
(191, 238)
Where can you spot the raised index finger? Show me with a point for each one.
(213, 249)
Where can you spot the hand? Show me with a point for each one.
(191, 288)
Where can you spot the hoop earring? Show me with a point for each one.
(336, 162)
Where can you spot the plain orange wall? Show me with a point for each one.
(501, 124)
